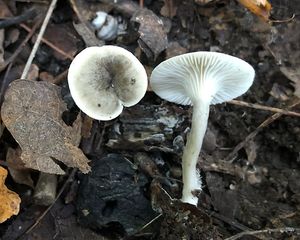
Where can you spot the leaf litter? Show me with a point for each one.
(10, 201)
(32, 113)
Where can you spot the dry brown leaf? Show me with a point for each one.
(153, 38)
(32, 113)
(17, 170)
(261, 8)
(10, 201)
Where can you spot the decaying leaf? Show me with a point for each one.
(17, 170)
(32, 113)
(153, 38)
(261, 8)
(9, 200)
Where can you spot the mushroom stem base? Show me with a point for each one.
(191, 177)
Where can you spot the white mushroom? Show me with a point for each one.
(104, 79)
(199, 79)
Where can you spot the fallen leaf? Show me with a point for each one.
(261, 8)
(17, 169)
(169, 9)
(10, 201)
(32, 113)
(153, 38)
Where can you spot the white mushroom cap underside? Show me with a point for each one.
(104, 79)
(210, 76)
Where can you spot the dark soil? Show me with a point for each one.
(135, 159)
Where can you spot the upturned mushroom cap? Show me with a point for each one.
(104, 79)
(210, 76)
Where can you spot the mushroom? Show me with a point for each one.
(199, 79)
(104, 79)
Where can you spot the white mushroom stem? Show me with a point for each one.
(191, 176)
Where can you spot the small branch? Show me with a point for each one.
(20, 47)
(288, 230)
(265, 123)
(50, 44)
(262, 107)
(150, 222)
(38, 40)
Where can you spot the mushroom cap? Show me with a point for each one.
(104, 79)
(209, 76)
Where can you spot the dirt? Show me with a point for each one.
(256, 189)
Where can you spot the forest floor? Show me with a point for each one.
(250, 160)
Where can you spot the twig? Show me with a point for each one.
(21, 46)
(268, 231)
(283, 20)
(255, 132)
(29, 14)
(262, 107)
(38, 40)
(50, 44)
(150, 222)
(69, 179)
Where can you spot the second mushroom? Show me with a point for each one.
(199, 79)
(104, 79)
